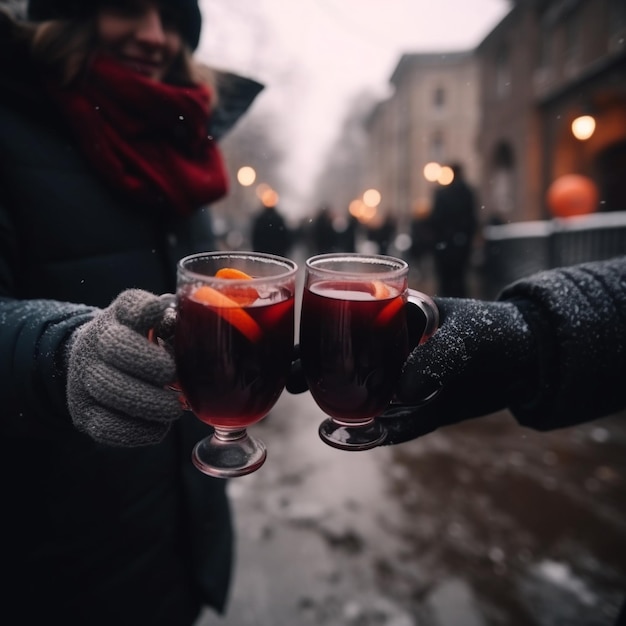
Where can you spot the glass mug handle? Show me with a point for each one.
(431, 313)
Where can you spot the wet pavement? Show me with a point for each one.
(479, 524)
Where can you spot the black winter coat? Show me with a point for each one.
(453, 221)
(91, 534)
(580, 375)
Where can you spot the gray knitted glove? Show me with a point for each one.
(117, 378)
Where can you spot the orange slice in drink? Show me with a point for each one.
(389, 311)
(380, 291)
(231, 310)
(231, 272)
(243, 295)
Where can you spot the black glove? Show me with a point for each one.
(481, 359)
(117, 377)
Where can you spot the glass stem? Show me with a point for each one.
(226, 434)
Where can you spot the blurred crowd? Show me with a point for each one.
(441, 240)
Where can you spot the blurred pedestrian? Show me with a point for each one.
(345, 228)
(421, 237)
(383, 234)
(108, 132)
(453, 225)
(323, 231)
(270, 232)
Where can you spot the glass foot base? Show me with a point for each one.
(352, 437)
(228, 458)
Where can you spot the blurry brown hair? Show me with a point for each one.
(63, 47)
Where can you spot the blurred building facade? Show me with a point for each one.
(505, 111)
(546, 63)
(432, 116)
(250, 146)
(16, 7)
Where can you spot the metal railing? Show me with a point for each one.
(512, 251)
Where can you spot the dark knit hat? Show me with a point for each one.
(39, 10)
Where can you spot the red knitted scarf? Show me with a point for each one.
(145, 138)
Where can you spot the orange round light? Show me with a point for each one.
(571, 195)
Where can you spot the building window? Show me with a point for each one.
(502, 185)
(437, 147)
(544, 52)
(617, 18)
(503, 72)
(439, 98)
(572, 37)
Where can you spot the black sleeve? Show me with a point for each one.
(578, 317)
(8, 252)
(33, 335)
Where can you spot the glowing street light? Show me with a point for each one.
(432, 171)
(372, 197)
(246, 176)
(261, 190)
(583, 127)
(269, 197)
(446, 175)
(361, 211)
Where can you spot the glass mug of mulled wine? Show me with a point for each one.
(233, 343)
(354, 340)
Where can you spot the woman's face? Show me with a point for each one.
(140, 34)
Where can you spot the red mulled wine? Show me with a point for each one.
(353, 343)
(232, 361)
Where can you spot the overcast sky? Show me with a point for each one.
(314, 56)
